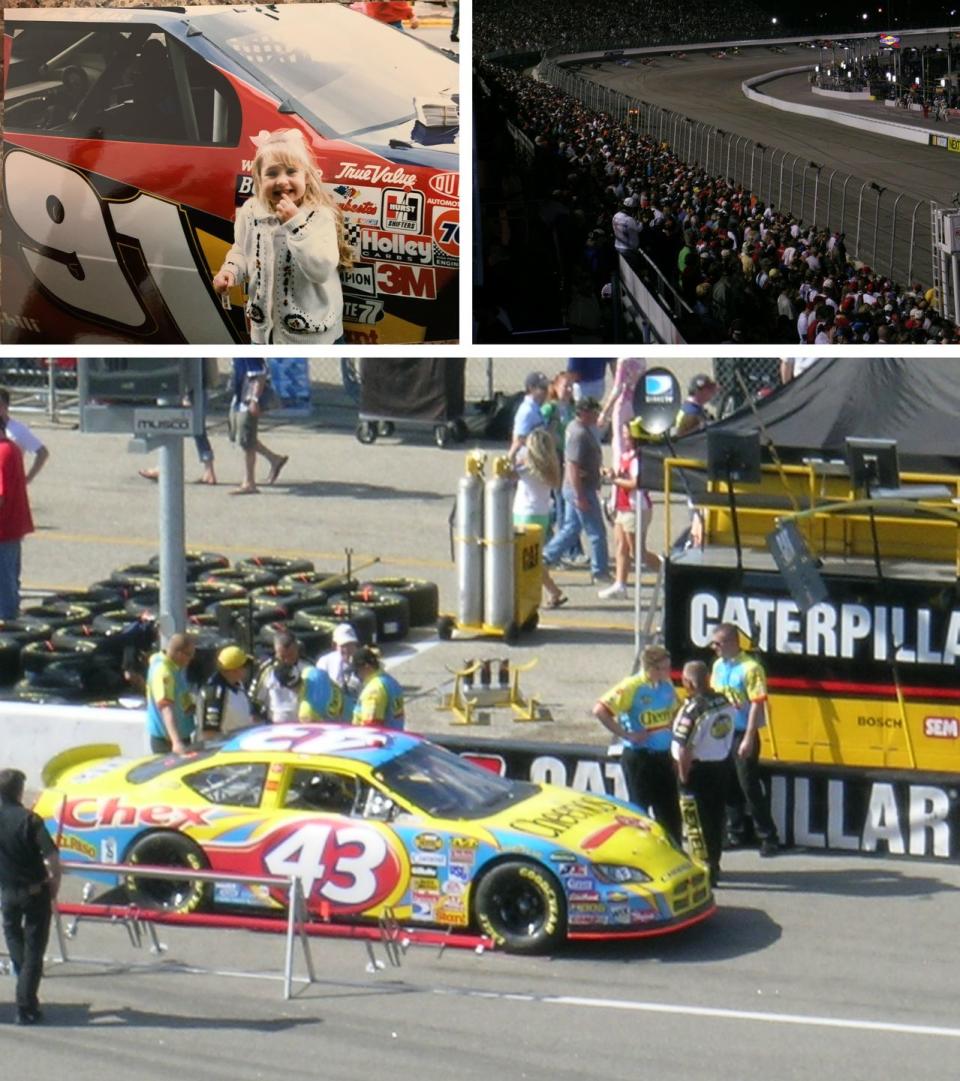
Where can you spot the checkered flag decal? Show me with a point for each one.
(351, 230)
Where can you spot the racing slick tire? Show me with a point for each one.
(98, 598)
(520, 905)
(166, 849)
(35, 657)
(69, 615)
(325, 582)
(392, 612)
(246, 578)
(199, 563)
(360, 617)
(273, 564)
(314, 640)
(136, 572)
(422, 596)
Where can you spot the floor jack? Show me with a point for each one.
(474, 691)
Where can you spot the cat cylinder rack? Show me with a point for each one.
(498, 564)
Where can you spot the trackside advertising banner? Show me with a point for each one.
(891, 813)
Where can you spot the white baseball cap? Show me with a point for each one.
(343, 634)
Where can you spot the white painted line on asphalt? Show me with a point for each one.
(408, 650)
(724, 1014)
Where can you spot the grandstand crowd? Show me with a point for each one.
(505, 25)
(749, 272)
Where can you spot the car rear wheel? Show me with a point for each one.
(168, 894)
(520, 906)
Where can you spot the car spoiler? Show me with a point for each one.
(75, 756)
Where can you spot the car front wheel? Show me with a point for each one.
(167, 894)
(520, 906)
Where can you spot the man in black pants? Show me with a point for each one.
(702, 738)
(29, 881)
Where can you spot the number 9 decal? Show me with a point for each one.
(59, 210)
(353, 867)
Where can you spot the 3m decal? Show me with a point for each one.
(393, 279)
(351, 867)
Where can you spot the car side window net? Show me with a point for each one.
(234, 784)
(117, 83)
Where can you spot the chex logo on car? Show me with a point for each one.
(402, 210)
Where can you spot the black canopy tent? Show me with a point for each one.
(916, 402)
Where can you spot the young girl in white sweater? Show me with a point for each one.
(288, 245)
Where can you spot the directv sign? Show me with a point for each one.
(656, 400)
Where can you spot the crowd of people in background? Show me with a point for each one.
(750, 273)
(567, 24)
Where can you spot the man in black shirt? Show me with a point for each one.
(29, 881)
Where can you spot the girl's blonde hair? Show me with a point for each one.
(289, 147)
(542, 459)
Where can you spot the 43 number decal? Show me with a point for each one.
(350, 867)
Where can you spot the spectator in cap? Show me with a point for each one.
(529, 414)
(693, 413)
(226, 704)
(581, 493)
(626, 230)
(338, 664)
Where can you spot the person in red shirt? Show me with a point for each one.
(15, 523)
(392, 14)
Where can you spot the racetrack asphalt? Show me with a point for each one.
(708, 89)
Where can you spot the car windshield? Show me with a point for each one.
(350, 73)
(444, 785)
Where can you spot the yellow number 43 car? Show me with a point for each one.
(369, 821)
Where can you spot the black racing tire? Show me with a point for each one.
(35, 657)
(145, 604)
(392, 611)
(326, 582)
(287, 600)
(80, 676)
(422, 596)
(136, 571)
(207, 643)
(247, 579)
(85, 634)
(68, 615)
(127, 589)
(521, 906)
(273, 564)
(11, 646)
(167, 849)
(211, 592)
(97, 598)
(199, 563)
(366, 432)
(27, 628)
(445, 627)
(314, 640)
(361, 618)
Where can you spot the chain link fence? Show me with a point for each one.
(884, 229)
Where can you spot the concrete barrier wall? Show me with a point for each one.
(843, 95)
(33, 734)
(861, 123)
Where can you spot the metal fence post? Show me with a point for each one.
(859, 218)
(893, 235)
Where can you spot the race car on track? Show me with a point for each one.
(373, 824)
(127, 148)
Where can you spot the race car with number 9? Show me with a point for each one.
(127, 148)
(372, 823)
